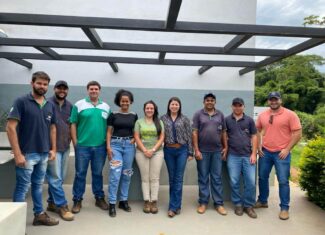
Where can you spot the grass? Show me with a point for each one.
(295, 155)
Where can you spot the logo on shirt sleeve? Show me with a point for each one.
(104, 115)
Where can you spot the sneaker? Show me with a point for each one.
(250, 212)
(44, 219)
(111, 210)
(65, 213)
(201, 208)
(124, 205)
(221, 210)
(146, 207)
(259, 204)
(76, 207)
(51, 207)
(239, 210)
(171, 214)
(100, 202)
(154, 207)
(284, 214)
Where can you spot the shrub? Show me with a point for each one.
(312, 166)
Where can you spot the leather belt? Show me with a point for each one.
(174, 145)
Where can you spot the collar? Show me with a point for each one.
(277, 113)
(242, 118)
(55, 100)
(89, 101)
(31, 97)
(205, 112)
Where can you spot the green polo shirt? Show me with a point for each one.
(91, 122)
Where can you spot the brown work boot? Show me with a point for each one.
(250, 212)
(51, 207)
(146, 207)
(44, 219)
(221, 210)
(201, 208)
(65, 213)
(284, 214)
(76, 207)
(154, 207)
(259, 204)
(100, 202)
(239, 210)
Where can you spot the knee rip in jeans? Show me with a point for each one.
(128, 172)
(115, 165)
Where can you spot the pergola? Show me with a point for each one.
(241, 32)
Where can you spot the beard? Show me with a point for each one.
(58, 97)
(39, 91)
(275, 107)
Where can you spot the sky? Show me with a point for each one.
(288, 13)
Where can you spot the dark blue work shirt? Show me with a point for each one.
(34, 124)
(239, 134)
(62, 114)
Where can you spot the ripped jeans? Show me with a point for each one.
(120, 169)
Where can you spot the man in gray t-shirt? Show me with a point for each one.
(210, 145)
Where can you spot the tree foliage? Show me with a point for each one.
(314, 20)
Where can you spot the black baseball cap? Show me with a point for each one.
(274, 94)
(61, 83)
(238, 101)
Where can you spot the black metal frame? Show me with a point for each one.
(89, 25)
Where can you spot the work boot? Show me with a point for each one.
(111, 210)
(221, 210)
(44, 219)
(201, 208)
(146, 207)
(76, 207)
(65, 213)
(51, 207)
(250, 212)
(124, 205)
(100, 202)
(239, 210)
(154, 207)
(284, 214)
(259, 204)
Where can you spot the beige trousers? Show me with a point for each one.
(150, 173)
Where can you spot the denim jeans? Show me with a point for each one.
(96, 156)
(282, 169)
(209, 176)
(55, 174)
(240, 165)
(32, 174)
(176, 159)
(120, 169)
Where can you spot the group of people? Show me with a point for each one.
(40, 131)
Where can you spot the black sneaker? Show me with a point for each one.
(124, 205)
(111, 210)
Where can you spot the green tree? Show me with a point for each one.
(314, 20)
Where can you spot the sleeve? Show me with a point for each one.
(137, 126)
(294, 122)
(16, 110)
(258, 122)
(223, 123)
(196, 121)
(74, 115)
(188, 132)
(252, 127)
(110, 120)
(54, 117)
(136, 117)
(162, 126)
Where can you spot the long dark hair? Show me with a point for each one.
(155, 115)
(179, 113)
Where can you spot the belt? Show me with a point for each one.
(177, 145)
(122, 138)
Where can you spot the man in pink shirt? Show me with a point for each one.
(279, 129)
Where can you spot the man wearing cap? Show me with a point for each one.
(279, 129)
(210, 145)
(57, 169)
(241, 159)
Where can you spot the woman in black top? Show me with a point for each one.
(120, 151)
(177, 150)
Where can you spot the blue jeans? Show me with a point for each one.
(176, 159)
(55, 174)
(209, 176)
(32, 174)
(120, 169)
(240, 165)
(282, 168)
(96, 156)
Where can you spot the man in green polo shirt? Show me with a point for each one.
(88, 132)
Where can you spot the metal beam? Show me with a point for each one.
(204, 68)
(156, 25)
(138, 47)
(291, 51)
(236, 42)
(93, 37)
(128, 60)
(174, 7)
(113, 66)
(49, 52)
(22, 62)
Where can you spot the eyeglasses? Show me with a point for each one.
(271, 119)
